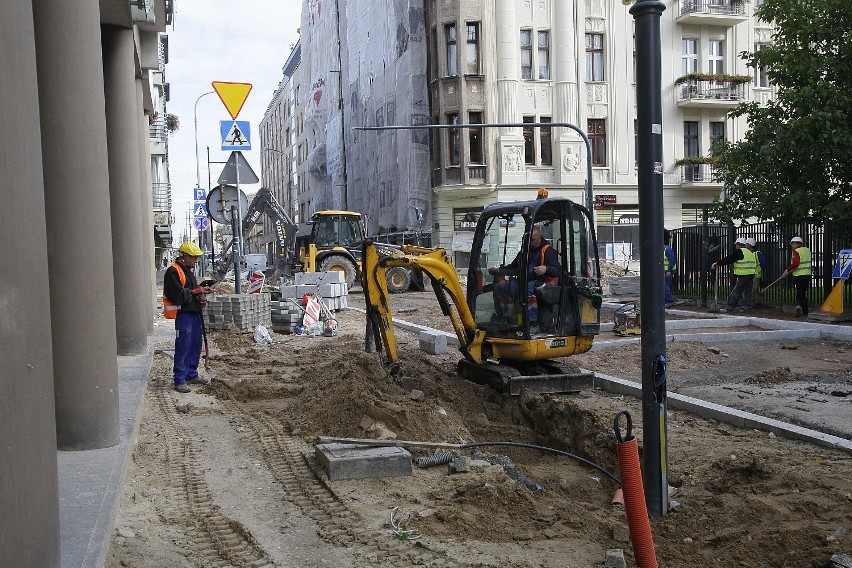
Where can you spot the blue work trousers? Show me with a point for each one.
(668, 286)
(187, 346)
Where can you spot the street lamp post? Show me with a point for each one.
(201, 238)
(195, 116)
(649, 160)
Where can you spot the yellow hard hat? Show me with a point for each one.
(190, 249)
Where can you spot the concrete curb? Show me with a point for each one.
(727, 414)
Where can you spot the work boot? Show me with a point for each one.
(182, 387)
(199, 381)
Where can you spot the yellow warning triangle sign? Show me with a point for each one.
(233, 95)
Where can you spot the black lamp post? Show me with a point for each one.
(647, 14)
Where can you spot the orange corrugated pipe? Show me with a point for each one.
(634, 495)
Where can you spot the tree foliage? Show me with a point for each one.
(795, 160)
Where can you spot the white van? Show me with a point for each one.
(254, 262)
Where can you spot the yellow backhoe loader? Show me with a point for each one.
(513, 329)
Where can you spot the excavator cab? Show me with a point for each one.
(507, 298)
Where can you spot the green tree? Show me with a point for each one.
(795, 160)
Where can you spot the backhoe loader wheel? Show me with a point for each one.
(340, 264)
(399, 279)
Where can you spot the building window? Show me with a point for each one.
(689, 57)
(691, 148)
(472, 49)
(475, 138)
(529, 142)
(546, 145)
(597, 139)
(594, 57)
(761, 79)
(717, 134)
(526, 54)
(454, 140)
(544, 55)
(716, 57)
(452, 50)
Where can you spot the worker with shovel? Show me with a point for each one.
(183, 301)
(743, 260)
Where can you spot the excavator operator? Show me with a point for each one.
(542, 267)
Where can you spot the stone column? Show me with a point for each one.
(569, 149)
(29, 499)
(131, 271)
(79, 238)
(511, 140)
(147, 197)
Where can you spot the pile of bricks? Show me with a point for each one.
(238, 311)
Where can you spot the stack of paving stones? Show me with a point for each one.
(286, 316)
(243, 312)
(624, 286)
(330, 286)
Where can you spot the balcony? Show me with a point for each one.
(157, 129)
(709, 91)
(476, 174)
(711, 12)
(162, 194)
(697, 170)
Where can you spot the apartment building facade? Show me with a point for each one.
(550, 61)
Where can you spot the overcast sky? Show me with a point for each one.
(239, 41)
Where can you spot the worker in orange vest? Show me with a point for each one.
(183, 301)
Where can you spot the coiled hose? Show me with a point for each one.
(634, 495)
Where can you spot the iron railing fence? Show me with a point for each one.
(698, 246)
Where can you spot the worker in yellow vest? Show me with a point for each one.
(744, 262)
(800, 268)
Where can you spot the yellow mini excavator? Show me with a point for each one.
(513, 328)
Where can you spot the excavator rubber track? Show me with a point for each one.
(537, 376)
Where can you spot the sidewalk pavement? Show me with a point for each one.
(91, 481)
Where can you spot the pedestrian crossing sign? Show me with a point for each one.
(236, 135)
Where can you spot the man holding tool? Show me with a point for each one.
(743, 260)
(800, 268)
(183, 301)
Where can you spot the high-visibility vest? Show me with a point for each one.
(745, 266)
(804, 268)
(551, 279)
(170, 309)
(666, 267)
(758, 270)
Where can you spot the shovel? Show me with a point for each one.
(759, 296)
(715, 307)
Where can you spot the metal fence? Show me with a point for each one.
(697, 247)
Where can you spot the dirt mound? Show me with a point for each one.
(776, 376)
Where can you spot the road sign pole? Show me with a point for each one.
(238, 231)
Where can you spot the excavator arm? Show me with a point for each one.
(264, 203)
(436, 264)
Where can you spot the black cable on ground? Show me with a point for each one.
(544, 449)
